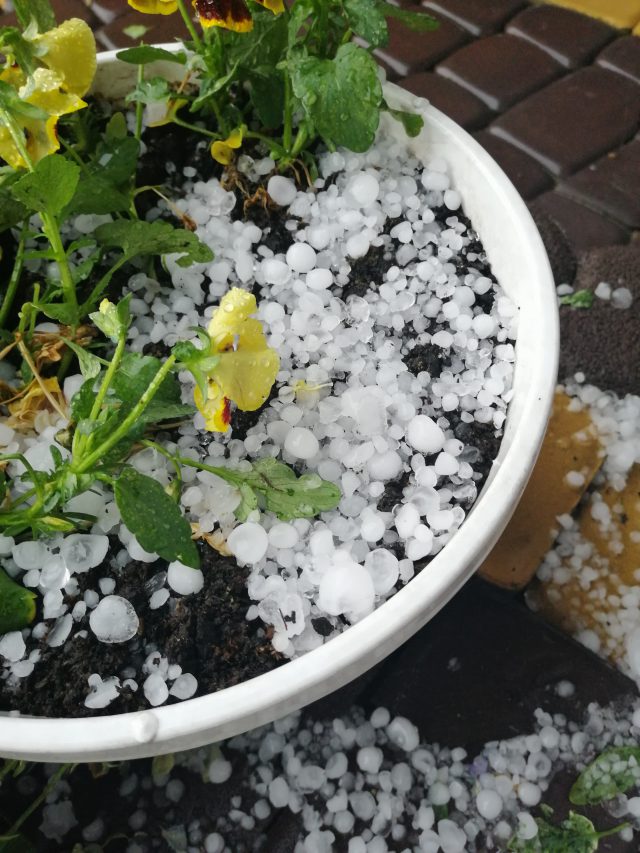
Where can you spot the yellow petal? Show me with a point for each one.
(215, 409)
(9, 151)
(235, 308)
(154, 7)
(221, 152)
(42, 138)
(70, 52)
(43, 89)
(246, 377)
(275, 6)
(234, 140)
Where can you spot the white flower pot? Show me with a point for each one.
(520, 264)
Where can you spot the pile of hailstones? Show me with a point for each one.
(359, 785)
(347, 406)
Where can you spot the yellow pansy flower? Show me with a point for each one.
(222, 149)
(232, 14)
(41, 90)
(155, 7)
(70, 52)
(246, 366)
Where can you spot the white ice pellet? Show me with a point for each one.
(185, 580)
(283, 535)
(346, 588)
(184, 687)
(424, 434)
(489, 804)
(382, 565)
(114, 620)
(362, 189)
(319, 279)
(12, 646)
(403, 734)
(301, 257)
(29, 555)
(248, 542)
(155, 689)
(282, 190)
(301, 443)
(84, 551)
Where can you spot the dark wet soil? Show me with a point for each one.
(206, 634)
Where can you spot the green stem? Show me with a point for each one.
(186, 17)
(52, 230)
(300, 141)
(195, 128)
(83, 465)
(175, 461)
(233, 477)
(613, 831)
(139, 106)
(7, 302)
(288, 113)
(80, 440)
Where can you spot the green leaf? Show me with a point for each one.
(90, 365)
(287, 495)
(17, 604)
(39, 11)
(368, 21)
(50, 186)
(150, 91)
(576, 834)
(154, 518)
(96, 194)
(613, 772)
(144, 53)
(58, 311)
(341, 96)
(82, 401)
(12, 212)
(267, 96)
(116, 128)
(153, 238)
(412, 122)
(419, 22)
(132, 379)
(248, 502)
(579, 299)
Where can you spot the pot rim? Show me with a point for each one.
(296, 683)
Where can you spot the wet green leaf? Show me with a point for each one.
(154, 518)
(17, 605)
(613, 772)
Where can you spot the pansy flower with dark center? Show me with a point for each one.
(231, 14)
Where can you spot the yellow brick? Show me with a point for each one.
(615, 558)
(623, 14)
(571, 444)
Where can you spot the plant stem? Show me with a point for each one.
(195, 128)
(52, 230)
(139, 106)
(288, 113)
(80, 440)
(233, 477)
(186, 17)
(7, 302)
(83, 465)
